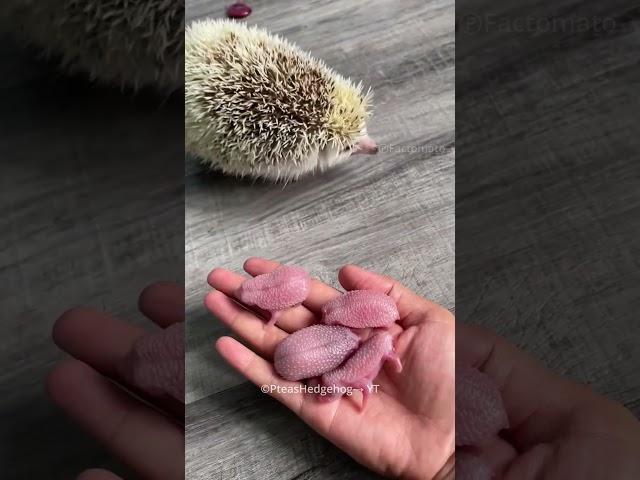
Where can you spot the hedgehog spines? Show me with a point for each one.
(131, 44)
(256, 104)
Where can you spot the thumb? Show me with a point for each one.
(535, 399)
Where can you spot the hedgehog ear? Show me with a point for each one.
(366, 145)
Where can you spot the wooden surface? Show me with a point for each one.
(92, 208)
(547, 197)
(393, 213)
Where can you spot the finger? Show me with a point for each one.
(412, 307)
(144, 439)
(496, 453)
(289, 320)
(244, 323)
(104, 343)
(163, 303)
(259, 371)
(95, 338)
(98, 474)
(319, 294)
(535, 399)
(532, 464)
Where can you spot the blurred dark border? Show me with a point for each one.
(92, 211)
(547, 183)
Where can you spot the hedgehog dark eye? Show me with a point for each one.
(346, 149)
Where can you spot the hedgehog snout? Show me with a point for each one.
(365, 145)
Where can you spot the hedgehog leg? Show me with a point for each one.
(366, 389)
(393, 357)
(274, 317)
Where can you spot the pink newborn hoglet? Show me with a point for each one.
(361, 309)
(360, 370)
(313, 351)
(283, 288)
(156, 362)
(480, 413)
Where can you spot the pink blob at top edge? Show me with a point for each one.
(238, 10)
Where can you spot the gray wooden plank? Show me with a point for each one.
(238, 433)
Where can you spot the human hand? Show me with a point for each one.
(559, 430)
(407, 428)
(146, 433)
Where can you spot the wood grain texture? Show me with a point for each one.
(92, 207)
(242, 433)
(548, 205)
(392, 213)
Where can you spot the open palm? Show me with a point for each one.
(407, 428)
(559, 429)
(145, 432)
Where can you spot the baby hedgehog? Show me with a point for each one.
(256, 105)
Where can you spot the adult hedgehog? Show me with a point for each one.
(256, 105)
